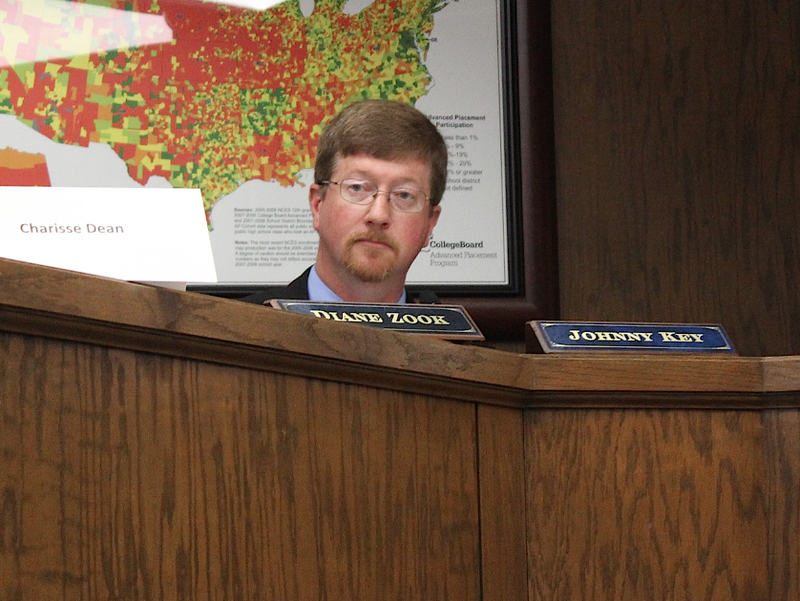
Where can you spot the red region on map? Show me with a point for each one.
(23, 169)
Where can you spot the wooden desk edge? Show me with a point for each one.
(55, 303)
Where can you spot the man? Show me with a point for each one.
(380, 174)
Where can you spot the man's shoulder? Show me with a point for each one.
(297, 289)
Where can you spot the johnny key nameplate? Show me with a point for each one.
(571, 336)
(442, 321)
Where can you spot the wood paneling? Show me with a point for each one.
(134, 476)
(647, 505)
(47, 302)
(677, 135)
(164, 445)
(501, 460)
(783, 437)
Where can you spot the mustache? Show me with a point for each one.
(372, 237)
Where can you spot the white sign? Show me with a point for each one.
(136, 234)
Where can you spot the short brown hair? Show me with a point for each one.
(387, 130)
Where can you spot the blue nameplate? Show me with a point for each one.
(443, 321)
(555, 336)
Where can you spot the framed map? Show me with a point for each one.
(184, 93)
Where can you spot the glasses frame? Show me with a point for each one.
(374, 196)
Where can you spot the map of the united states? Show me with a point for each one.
(204, 95)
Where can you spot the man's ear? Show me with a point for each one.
(433, 219)
(315, 197)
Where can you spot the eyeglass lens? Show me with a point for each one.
(406, 199)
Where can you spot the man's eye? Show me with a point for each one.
(404, 194)
(357, 187)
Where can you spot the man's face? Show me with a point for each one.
(376, 242)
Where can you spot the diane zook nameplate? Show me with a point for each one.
(443, 321)
(571, 336)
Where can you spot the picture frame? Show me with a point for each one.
(531, 291)
(529, 80)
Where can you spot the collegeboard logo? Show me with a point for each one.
(454, 245)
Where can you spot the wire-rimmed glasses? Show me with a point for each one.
(406, 199)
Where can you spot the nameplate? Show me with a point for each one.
(571, 336)
(443, 321)
(152, 235)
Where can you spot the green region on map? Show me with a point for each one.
(234, 95)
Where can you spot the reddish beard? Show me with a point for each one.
(370, 264)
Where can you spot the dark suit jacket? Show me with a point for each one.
(298, 290)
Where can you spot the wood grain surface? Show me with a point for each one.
(54, 303)
(501, 461)
(678, 165)
(783, 458)
(164, 445)
(135, 476)
(647, 505)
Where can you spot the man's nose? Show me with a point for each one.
(380, 209)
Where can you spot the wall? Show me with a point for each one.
(677, 133)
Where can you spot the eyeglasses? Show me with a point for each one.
(360, 192)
